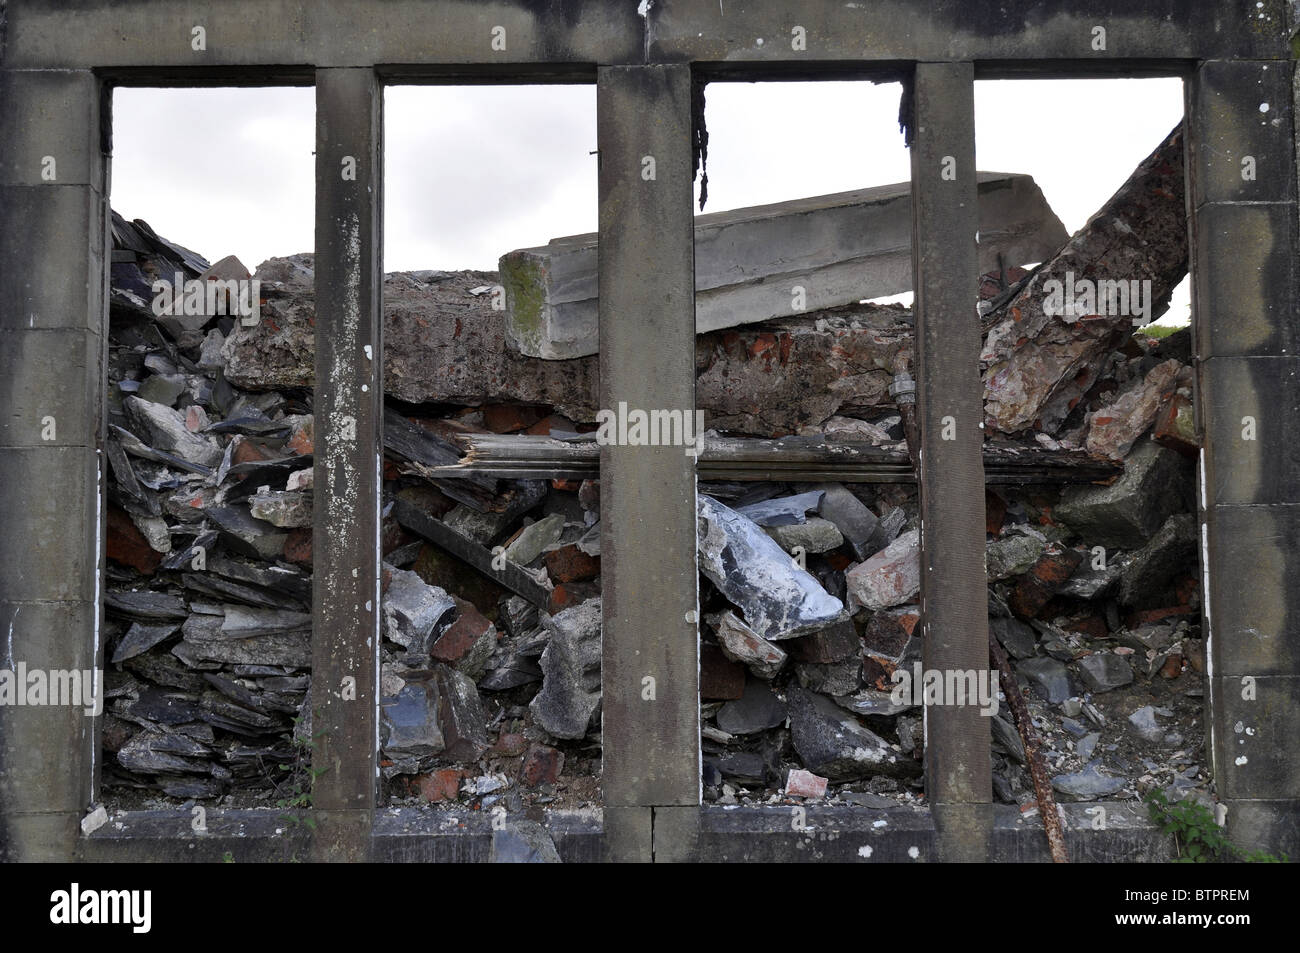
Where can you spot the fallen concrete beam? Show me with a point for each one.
(1041, 352)
(751, 263)
(443, 344)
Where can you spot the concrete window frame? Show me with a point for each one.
(56, 67)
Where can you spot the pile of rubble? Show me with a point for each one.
(490, 681)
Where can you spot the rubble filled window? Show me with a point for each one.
(207, 593)
(810, 585)
(490, 686)
(1095, 588)
(809, 533)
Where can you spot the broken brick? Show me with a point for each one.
(995, 513)
(720, 678)
(889, 630)
(461, 636)
(801, 783)
(1135, 620)
(542, 765)
(440, 785)
(569, 594)
(1035, 589)
(509, 745)
(249, 451)
(991, 287)
(571, 564)
(301, 441)
(509, 418)
(1176, 426)
(127, 545)
(1090, 624)
(297, 547)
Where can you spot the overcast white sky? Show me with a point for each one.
(473, 172)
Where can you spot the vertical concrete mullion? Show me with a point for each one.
(53, 232)
(1246, 266)
(348, 432)
(954, 597)
(650, 641)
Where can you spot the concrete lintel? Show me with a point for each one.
(772, 32)
(1095, 832)
(349, 409)
(246, 33)
(251, 33)
(650, 640)
(772, 261)
(954, 596)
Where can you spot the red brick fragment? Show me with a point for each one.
(801, 783)
(509, 418)
(571, 564)
(720, 678)
(542, 765)
(509, 745)
(569, 594)
(469, 627)
(1135, 620)
(301, 440)
(1036, 587)
(440, 785)
(995, 513)
(297, 547)
(127, 545)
